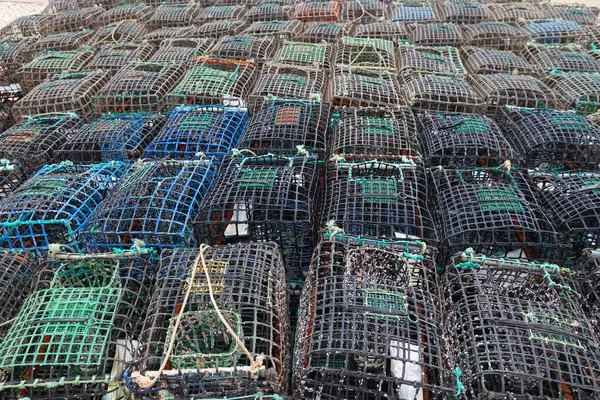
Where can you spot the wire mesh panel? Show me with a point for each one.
(139, 87)
(317, 11)
(492, 210)
(566, 58)
(513, 12)
(497, 35)
(520, 330)
(270, 11)
(552, 137)
(214, 80)
(244, 47)
(250, 289)
(441, 93)
(579, 13)
(52, 63)
(120, 137)
(75, 335)
(364, 53)
(577, 91)
(135, 11)
(492, 61)
(11, 177)
(77, 19)
(119, 32)
(364, 11)
(218, 29)
(182, 50)
(221, 12)
(211, 130)
(435, 34)
(28, 26)
(324, 31)
(387, 30)
(315, 55)
(353, 88)
(554, 31)
(416, 11)
(51, 206)
(155, 202)
(58, 41)
(114, 56)
(281, 126)
(158, 35)
(588, 276)
(430, 60)
(173, 15)
(264, 198)
(463, 12)
(278, 29)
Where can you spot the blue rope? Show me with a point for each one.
(459, 385)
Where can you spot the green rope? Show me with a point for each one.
(459, 385)
(467, 265)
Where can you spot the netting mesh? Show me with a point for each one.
(316, 55)
(76, 19)
(182, 50)
(264, 198)
(51, 206)
(119, 32)
(278, 29)
(118, 137)
(441, 93)
(579, 13)
(74, 335)
(514, 12)
(270, 11)
(58, 41)
(553, 31)
(364, 11)
(114, 56)
(173, 15)
(220, 28)
(520, 331)
(221, 12)
(354, 88)
(413, 12)
(566, 58)
(465, 140)
(588, 276)
(492, 210)
(250, 289)
(365, 53)
(317, 11)
(28, 26)
(155, 202)
(463, 12)
(435, 34)
(430, 60)
(189, 130)
(11, 177)
(139, 87)
(491, 61)
(55, 62)
(577, 91)
(58, 6)
(158, 35)
(324, 31)
(498, 35)
(135, 11)
(244, 47)
(12, 56)
(393, 31)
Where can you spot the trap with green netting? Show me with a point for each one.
(270, 10)
(364, 11)
(128, 32)
(566, 58)
(317, 11)
(577, 91)
(494, 35)
(555, 31)
(362, 88)
(76, 19)
(173, 15)
(512, 12)
(579, 13)
(435, 34)
(331, 32)
(394, 31)
(430, 60)
(58, 42)
(223, 12)
(277, 29)
(35, 25)
(155, 37)
(182, 50)
(220, 28)
(244, 47)
(413, 11)
(139, 12)
(114, 56)
(368, 54)
(441, 93)
(493, 61)
(462, 12)
(312, 55)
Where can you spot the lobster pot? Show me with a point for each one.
(376, 133)
(250, 290)
(27, 26)
(317, 11)
(492, 61)
(173, 15)
(310, 55)
(495, 35)
(58, 42)
(157, 3)
(112, 137)
(127, 12)
(554, 138)
(139, 87)
(182, 50)
(244, 47)
(587, 273)
(577, 91)
(76, 19)
(512, 13)
(11, 177)
(47, 65)
(492, 210)
(366, 54)
(211, 130)
(579, 13)
(284, 126)
(435, 34)
(264, 198)
(595, 39)
(463, 12)
(214, 81)
(155, 202)
(394, 31)
(11, 59)
(554, 31)
(441, 93)
(58, 6)
(330, 32)
(114, 56)
(75, 335)
(221, 12)
(520, 331)
(378, 199)
(119, 32)
(51, 206)
(220, 28)
(66, 93)
(416, 11)
(430, 60)
(174, 32)
(566, 58)
(269, 10)
(362, 88)
(500, 90)
(277, 29)
(364, 11)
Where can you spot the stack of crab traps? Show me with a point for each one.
(300, 199)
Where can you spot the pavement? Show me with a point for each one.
(10, 10)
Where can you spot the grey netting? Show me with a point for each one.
(355, 88)
(554, 31)
(119, 32)
(270, 10)
(182, 50)
(393, 31)
(566, 58)
(367, 54)
(492, 61)
(244, 47)
(58, 41)
(413, 11)
(173, 15)
(595, 38)
(364, 11)
(462, 12)
(52, 63)
(77, 19)
(28, 26)
(11, 177)
(579, 13)
(114, 56)
(135, 11)
(158, 35)
(12, 57)
(513, 12)
(58, 6)
(496, 35)
(435, 34)
(577, 91)
(317, 11)
(324, 31)
(430, 60)
(278, 29)
(218, 29)
(221, 12)
(315, 55)
(587, 273)
(441, 93)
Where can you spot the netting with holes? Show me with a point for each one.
(182, 50)
(435, 34)
(278, 29)
(416, 11)
(577, 91)
(315, 55)
(51, 206)
(496, 35)
(317, 11)
(492, 61)
(250, 289)
(367, 54)
(355, 88)
(57, 6)
(12, 57)
(566, 58)
(11, 177)
(587, 274)
(441, 93)
(387, 30)
(173, 32)
(220, 12)
(244, 47)
(173, 15)
(28, 26)
(52, 63)
(76, 19)
(220, 28)
(189, 130)
(579, 13)
(554, 31)
(514, 12)
(364, 11)
(114, 56)
(317, 32)
(136, 11)
(112, 137)
(139, 87)
(264, 198)
(462, 12)
(270, 11)
(520, 330)
(430, 60)
(58, 41)
(119, 32)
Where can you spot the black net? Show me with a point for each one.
(114, 56)
(278, 29)
(579, 13)
(182, 50)
(462, 12)
(127, 32)
(364, 11)
(223, 12)
(11, 177)
(430, 60)
(554, 31)
(393, 31)
(492, 61)
(270, 10)
(441, 93)
(366, 54)
(496, 35)
(157, 36)
(356, 88)
(12, 57)
(435, 34)
(135, 11)
(565, 58)
(413, 11)
(317, 11)
(315, 55)
(244, 47)
(52, 63)
(324, 31)
(514, 12)
(220, 28)
(577, 91)
(588, 276)
(77, 19)
(28, 26)
(58, 41)
(173, 15)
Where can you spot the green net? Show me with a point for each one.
(472, 125)
(260, 178)
(379, 126)
(385, 303)
(45, 186)
(379, 190)
(499, 199)
(301, 54)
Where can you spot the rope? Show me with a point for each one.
(237, 152)
(459, 385)
(337, 158)
(333, 229)
(302, 150)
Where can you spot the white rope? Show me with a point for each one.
(506, 165)
(237, 152)
(302, 150)
(337, 158)
(333, 228)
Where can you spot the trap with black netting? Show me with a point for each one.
(363, 88)
(220, 28)
(492, 61)
(587, 275)
(430, 60)
(277, 29)
(313, 55)
(413, 11)
(520, 331)
(182, 50)
(173, 15)
(223, 12)
(435, 34)
(128, 32)
(139, 12)
(316, 32)
(113, 57)
(565, 58)
(58, 42)
(462, 12)
(35, 25)
(77, 19)
(11, 177)
(387, 30)
(441, 93)
(578, 91)
(512, 12)
(366, 54)
(317, 11)
(270, 10)
(12, 57)
(555, 31)
(495, 35)
(364, 11)
(173, 32)
(244, 47)
(580, 13)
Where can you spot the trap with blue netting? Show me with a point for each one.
(555, 31)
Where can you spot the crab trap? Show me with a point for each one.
(317, 32)
(384, 134)
(587, 274)
(285, 126)
(564, 58)
(430, 60)
(127, 12)
(264, 198)
(520, 332)
(218, 29)
(28, 26)
(364, 11)
(128, 32)
(462, 12)
(554, 31)
(11, 177)
(58, 6)
(58, 42)
(493, 210)
(270, 11)
(225, 316)
(368, 54)
(317, 11)
(173, 15)
(464, 140)
(441, 93)
(221, 12)
(51, 206)
(374, 330)
(362, 88)
(76, 333)
(112, 137)
(387, 30)
(189, 130)
(114, 56)
(492, 61)
(435, 34)
(416, 11)
(77, 19)
(496, 35)
(311, 55)
(577, 91)
(139, 87)
(244, 47)
(214, 81)
(155, 203)
(579, 13)
(174, 32)
(13, 56)
(278, 29)
(513, 12)
(182, 50)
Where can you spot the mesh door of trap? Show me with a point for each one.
(577, 91)
(587, 274)
(416, 11)
(270, 11)
(316, 32)
(33, 142)
(139, 87)
(566, 58)
(281, 126)
(367, 54)
(353, 88)
(435, 34)
(57, 42)
(28, 26)
(364, 11)
(76, 19)
(73, 335)
(119, 32)
(66, 93)
(126, 12)
(579, 13)
(375, 133)
(221, 12)
(51, 206)
(158, 35)
(220, 28)
(464, 140)
(317, 11)
(189, 130)
(492, 210)
(430, 60)
(278, 29)
(264, 198)
(213, 81)
(387, 30)
(495, 35)
(244, 47)
(378, 199)
(554, 31)
(441, 93)
(492, 61)
(315, 55)
(182, 50)
(155, 202)
(501, 90)
(173, 15)
(11, 177)
(112, 137)
(551, 137)
(47, 65)
(513, 12)
(114, 56)
(462, 12)
(520, 330)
